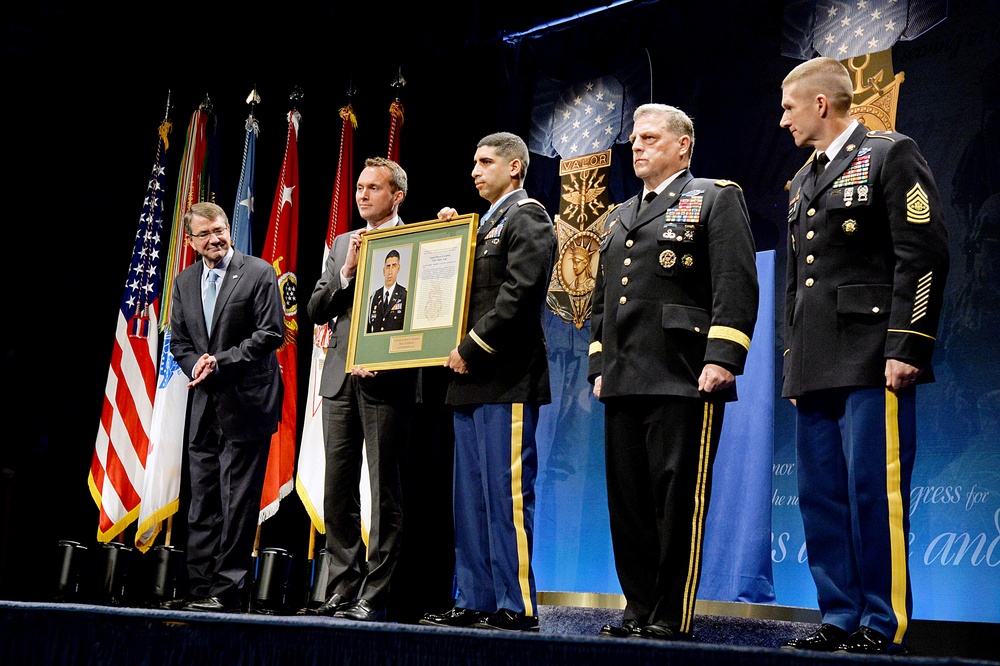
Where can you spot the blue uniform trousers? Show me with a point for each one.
(495, 467)
(854, 454)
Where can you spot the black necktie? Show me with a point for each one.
(646, 200)
(818, 167)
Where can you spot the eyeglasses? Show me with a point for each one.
(213, 232)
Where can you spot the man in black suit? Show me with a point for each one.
(501, 379)
(234, 405)
(387, 309)
(674, 310)
(363, 412)
(867, 262)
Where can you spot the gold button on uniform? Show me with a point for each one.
(810, 259)
(628, 261)
(810, 234)
(875, 310)
(810, 282)
(625, 280)
(811, 212)
(622, 300)
(629, 243)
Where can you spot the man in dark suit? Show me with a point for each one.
(363, 412)
(867, 262)
(234, 405)
(387, 309)
(674, 310)
(501, 379)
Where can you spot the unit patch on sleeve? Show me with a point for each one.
(918, 209)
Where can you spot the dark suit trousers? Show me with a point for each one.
(352, 421)
(659, 452)
(227, 479)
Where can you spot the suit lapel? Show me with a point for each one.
(227, 285)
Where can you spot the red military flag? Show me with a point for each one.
(311, 475)
(280, 250)
(118, 468)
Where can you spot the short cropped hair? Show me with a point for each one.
(398, 178)
(508, 146)
(206, 209)
(827, 76)
(673, 118)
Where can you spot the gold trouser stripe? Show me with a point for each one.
(482, 343)
(897, 538)
(595, 347)
(697, 521)
(523, 563)
(731, 334)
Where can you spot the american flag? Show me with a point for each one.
(118, 467)
(844, 29)
(243, 213)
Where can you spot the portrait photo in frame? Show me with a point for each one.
(411, 295)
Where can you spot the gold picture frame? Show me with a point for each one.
(419, 325)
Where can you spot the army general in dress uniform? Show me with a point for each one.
(674, 310)
(867, 261)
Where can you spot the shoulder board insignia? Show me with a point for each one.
(724, 183)
(529, 201)
(881, 134)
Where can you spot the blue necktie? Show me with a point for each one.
(210, 299)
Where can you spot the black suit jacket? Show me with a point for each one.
(331, 303)
(249, 327)
(867, 262)
(677, 288)
(505, 344)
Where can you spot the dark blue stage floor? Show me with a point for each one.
(72, 633)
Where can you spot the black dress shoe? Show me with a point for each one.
(659, 632)
(329, 607)
(176, 604)
(456, 617)
(507, 620)
(869, 641)
(626, 629)
(825, 639)
(208, 605)
(361, 610)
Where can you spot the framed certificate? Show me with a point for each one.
(411, 294)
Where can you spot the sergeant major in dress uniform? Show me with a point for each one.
(867, 261)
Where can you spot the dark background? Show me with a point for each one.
(86, 86)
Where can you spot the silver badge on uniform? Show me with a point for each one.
(848, 196)
(668, 259)
(862, 193)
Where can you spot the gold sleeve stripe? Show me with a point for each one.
(897, 536)
(731, 334)
(923, 335)
(479, 341)
(517, 497)
(923, 295)
(595, 348)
